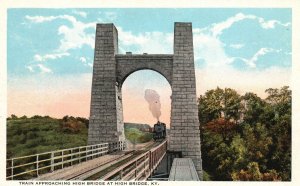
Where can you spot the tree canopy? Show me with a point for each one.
(245, 137)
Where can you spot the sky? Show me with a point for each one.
(50, 55)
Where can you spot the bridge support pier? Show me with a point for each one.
(185, 128)
(106, 117)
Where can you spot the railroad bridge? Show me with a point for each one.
(105, 157)
(111, 69)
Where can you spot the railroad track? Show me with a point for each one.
(102, 172)
(90, 172)
(99, 168)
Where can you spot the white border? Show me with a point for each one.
(295, 85)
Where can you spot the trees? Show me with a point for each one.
(258, 143)
(246, 137)
(13, 116)
(280, 102)
(70, 124)
(253, 173)
(219, 103)
(223, 127)
(252, 108)
(218, 114)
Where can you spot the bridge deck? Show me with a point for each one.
(183, 169)
(86, 170)
(74, 171)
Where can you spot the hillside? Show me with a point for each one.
(137, 133)
(39, 134)
(142, 127)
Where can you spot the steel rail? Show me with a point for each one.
(152, 158)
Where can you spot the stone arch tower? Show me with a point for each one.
(111, 69)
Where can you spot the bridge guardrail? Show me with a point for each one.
(115, 146)
(31, 166)
(140, 167)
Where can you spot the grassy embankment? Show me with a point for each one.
(26, 136)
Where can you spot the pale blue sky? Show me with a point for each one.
(32, 35)
(51, 50)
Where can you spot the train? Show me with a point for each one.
(159, 131)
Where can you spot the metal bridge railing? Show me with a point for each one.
(27, 167)
(140, 167)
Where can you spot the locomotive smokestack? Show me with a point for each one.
(152, 98)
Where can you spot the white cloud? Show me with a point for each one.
(46, 57)
(40, 19)
(30, 68)
(44, 69)
(74, 36)
(82, 59)
(261, 52)
(288, 53)
(217, 29)
(38, 68)
(218, 72)
(81, 13)
(207, 45)
(85, 61)
(111, 15)
(149, 42)
(271, 23)
(210, 49)
(237, 46)
(37, 57)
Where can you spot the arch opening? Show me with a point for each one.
(135, 107)
(148, 71)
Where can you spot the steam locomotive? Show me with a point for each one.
(159, 131)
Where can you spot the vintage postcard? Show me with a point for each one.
(92, 94)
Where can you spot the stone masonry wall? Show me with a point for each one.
(185, 131)
(105, 105)
(127, 64)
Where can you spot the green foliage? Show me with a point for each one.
(135, 135)
(73, 125)
(141, 127)
(246, 137)
(206, 176)
(252, 108)
(219, 103)
(38, 134)
(132, 135)
(253, 173)
(26, 136)
(13, 116)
